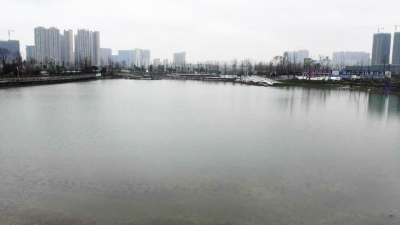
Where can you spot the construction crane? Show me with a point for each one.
(9, 32)
(395, 26)
(379, 28)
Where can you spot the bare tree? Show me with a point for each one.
(4, 55)
(18, 61)
(234, 65)
(248, 66)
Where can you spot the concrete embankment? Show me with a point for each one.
(44, 80)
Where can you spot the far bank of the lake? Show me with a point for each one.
(360, 86)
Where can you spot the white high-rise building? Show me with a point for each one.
(105, 56)
(145, 58)
(87, 47)
(41, 40)
(297, 56)
(67, 50)
(95, 47)
(125, 57)
(342, 59)
(47, 45)
(54, 45)
(82, 47)
(137, 57)
(30, 52)
(156, 63)
(179, 59)
(115, 58)
(165, 63)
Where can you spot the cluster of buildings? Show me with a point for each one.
(137, 57)
(342, 59)
(296, 56)
(67, 49)
(57, 48)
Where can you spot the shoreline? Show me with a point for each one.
(33, 81)
(347, 86)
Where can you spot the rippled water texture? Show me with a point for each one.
(188, 152)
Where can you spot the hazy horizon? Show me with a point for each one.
(217, 30)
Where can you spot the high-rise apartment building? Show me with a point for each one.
(137, 53)
(137, 57)
(342, 59)
(145, 58)
(179, 59)
(165, 63)
(396, 49)
(297, 56)
(125, 57)
(67, 48)
(47, 45)
(115, 58)
(41, 41)
(95, 47)
(381, 49)
(11, 45)
(54, 45)
(105, 56)
(156, 63)
(62, 49)
(87, 47)
(82, 47)
(30, 52)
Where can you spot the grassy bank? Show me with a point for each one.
(366, 86)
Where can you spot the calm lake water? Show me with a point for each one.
(190, 152)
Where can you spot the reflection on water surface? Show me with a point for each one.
(172, 152)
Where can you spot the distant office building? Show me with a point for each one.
(297, 56)
(165, 63)
(381, 49)
(30, 52)
(396, 49)
(179, 59)
(47, 45)
(11, 45)
(105, 56)
(342, 59)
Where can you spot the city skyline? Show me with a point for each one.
(393, 49)
(220, 30)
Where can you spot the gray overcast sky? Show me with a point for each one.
(209, 29)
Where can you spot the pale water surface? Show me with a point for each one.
(188, 152)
